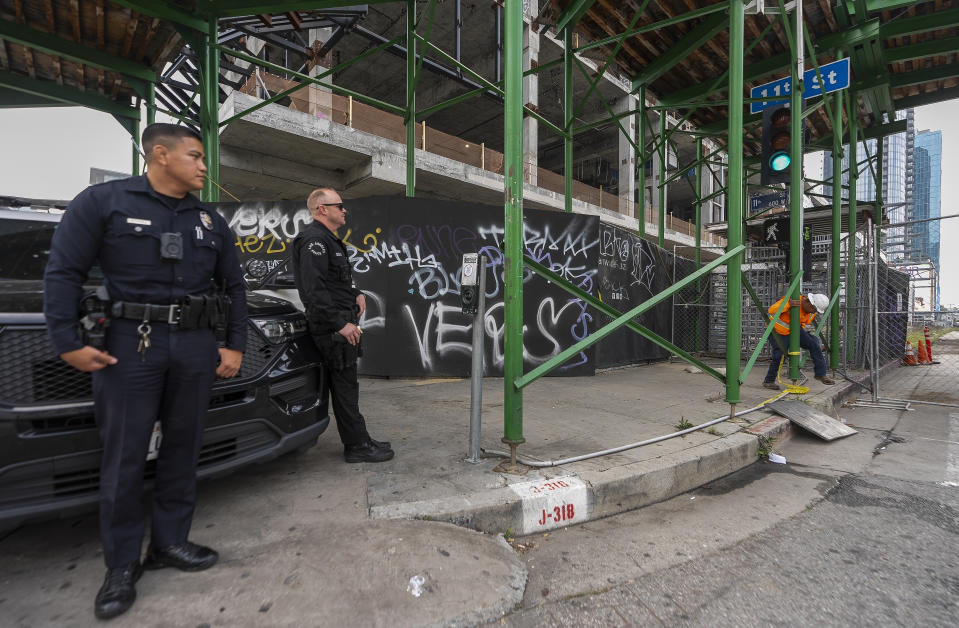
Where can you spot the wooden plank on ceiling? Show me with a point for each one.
(75, 20)
(4, 61)
(48, 15)
(132, 25)
(101, 24)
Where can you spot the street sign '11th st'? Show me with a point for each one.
(835, 76)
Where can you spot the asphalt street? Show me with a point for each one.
(860, 531)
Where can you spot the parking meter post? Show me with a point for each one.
(477, 279)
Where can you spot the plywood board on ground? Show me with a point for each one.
(808, 418)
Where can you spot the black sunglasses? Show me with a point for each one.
(339, 206)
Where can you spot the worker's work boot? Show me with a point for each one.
(771, 385)
(826, 380)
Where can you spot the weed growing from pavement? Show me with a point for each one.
(683, 424)
(508, 534)
(765, 447)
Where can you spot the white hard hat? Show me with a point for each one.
(819, 301)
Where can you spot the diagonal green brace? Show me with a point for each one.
(612, 312)
(599, 334)
(769, 329)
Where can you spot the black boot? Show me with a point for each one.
(185, 556)
(118, 592)
(367, 452)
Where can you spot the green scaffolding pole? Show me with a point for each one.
(568, 120)
(641, 164)
(210, 109)
(795, 188)
(852, 109)
(835, 261)
(513, 237)
(699, 236)
(411, 98)
(734, 302)
(663, 158)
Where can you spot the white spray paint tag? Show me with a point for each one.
(549, 504)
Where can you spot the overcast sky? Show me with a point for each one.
(48, 152)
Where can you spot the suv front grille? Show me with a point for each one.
(31, 373)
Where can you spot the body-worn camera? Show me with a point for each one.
(171, 245)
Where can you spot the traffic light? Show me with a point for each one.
(777, 137)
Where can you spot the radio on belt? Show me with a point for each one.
(469, 290)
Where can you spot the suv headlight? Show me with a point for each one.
(280, 330)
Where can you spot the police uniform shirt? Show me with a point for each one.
(324, 278)
(118, 225)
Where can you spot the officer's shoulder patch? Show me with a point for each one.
(206, 220)
(316, 248)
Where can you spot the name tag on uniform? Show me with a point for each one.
(139, 221)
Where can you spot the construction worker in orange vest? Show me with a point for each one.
(809, 305)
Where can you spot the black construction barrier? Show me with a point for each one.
(406, 256)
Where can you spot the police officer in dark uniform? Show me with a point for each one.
(324, 279)
(172, 282)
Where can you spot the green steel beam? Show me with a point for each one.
(568, 95)
(919, 24)
(613, 313)
(734, 207)
(609, 59)
(621, 321)
(165, 11)
(795, 195)
(66, 49)
(237, 8)
(778, 63)
(641, 165)
(573, 13)
(928, 98)
(513, 223)
(13, 99)
(409, 115)
(613, 116)
(937, 73)
(690, 42)
(400, 111)
(873, 6)
(945, 46)
(655, 26)
(852, 109)
(66, 95)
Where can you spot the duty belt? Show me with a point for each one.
(147, 312)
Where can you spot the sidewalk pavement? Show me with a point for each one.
(308, 540)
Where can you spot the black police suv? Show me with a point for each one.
(49, 449)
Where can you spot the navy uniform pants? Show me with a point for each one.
(171, 385)
(340, 383)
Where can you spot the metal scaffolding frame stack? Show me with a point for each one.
(903, 54)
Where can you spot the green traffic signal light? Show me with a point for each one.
(779, 161)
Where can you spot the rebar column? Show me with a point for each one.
(210, 110)
(835, 260)
(641, 163)
(513, 171)
(734, 288)
(410, 98)
(851, 300)
(568, 98)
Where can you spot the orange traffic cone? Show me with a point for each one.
(910, 359)
(923, 356)
(928, 343)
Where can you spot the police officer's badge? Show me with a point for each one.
(206, 220)
(316, 248)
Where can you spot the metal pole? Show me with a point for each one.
(513, 171)
(835, 262)
(876, 358)
(641, 163)
(210, 110)
(853, 116)
(735, 209)
(151, 104)
(663, 158)
(879, 191)
(796, 191)
(568, 97)
(411, 98)
(476, 375)
(699, 236)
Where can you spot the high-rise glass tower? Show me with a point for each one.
(927, 191)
